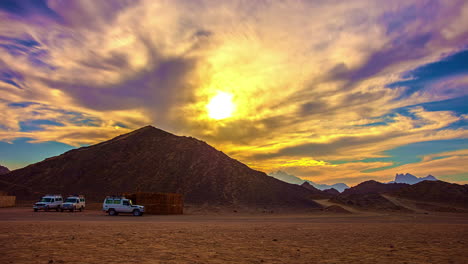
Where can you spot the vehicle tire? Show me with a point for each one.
(112, 212)
(136, 212)
(46, 209)
(72, 209)
(61, 210)
(81, 209)
(35, 210)
(57, 209)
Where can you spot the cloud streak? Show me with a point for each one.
(313, 82)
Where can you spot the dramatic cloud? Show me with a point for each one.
(319, 87)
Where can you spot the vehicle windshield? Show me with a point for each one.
(46, 200)
(71, 200)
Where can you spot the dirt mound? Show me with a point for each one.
(369, 201)
(152, 160)
(336, 209)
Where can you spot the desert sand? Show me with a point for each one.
(93, 237)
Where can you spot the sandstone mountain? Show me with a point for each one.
(4, 170)
(152, 160)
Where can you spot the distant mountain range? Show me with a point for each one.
(283, 176)
(411, 179)
(4, 170)
(152, 160)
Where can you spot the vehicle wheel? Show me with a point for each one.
(136, 212)
(81, 209)
(46, 209)
(61, 210)
(112, 212)
(57, 209)
(35, 210)
(72, 210)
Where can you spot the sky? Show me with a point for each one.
(329, 91)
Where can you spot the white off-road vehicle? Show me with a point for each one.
(113, 205)
(49, 202)
(74, 202)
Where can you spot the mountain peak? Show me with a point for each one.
(152, 160)
(4, 170)
(411, 179)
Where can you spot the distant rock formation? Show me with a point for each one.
(152, 160)
(4, 170)
(411, 179)
(283, 176)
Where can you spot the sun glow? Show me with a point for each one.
(221, 106)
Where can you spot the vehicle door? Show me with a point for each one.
(126, 206)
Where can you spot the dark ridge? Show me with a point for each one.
(4, 170)
(435, 191)
(374, 187)
(152, 160)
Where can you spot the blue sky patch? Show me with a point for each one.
(21, 153)
(420, 77)
(413, 153)
(35, 125)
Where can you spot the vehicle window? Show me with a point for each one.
(125, 203)
(70, 200)
(82, 200)
(47, 200)
(109, 201)
(52, 200)
(117, 201)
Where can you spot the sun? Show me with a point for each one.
(221, 106)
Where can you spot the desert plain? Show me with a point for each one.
(232, 237)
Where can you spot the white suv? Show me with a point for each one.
(50, 201)
(72, 203)
(113, 205)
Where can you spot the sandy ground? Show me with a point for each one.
(92, 237)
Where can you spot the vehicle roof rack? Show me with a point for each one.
(116, 196)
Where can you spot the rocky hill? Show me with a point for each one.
(368, 195)
(426, 195)
(374, 187)
(4, 170)
(316, 193)
(435, 191)
(152, 160)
